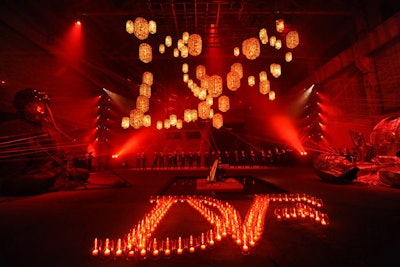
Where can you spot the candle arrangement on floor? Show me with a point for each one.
(224, 219)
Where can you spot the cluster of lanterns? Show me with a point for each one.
(209, 86)
(224, 219)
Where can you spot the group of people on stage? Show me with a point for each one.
(235, 158)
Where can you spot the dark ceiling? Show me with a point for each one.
(325, 27)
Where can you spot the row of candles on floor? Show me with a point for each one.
(224, 219)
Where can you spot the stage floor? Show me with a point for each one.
(58, 228)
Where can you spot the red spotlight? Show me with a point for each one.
(78, 22)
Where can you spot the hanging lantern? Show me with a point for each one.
(251, 81)
(288, 56)
(202, 94)
(236, 51)
(125, 122)
(145, 90)
(141, 28)
(159, 125)
(210, 113)
(275, 70)
(223, 103)
(272, 40)
(251, 48)
(145, 53)
(167, 124)
(217, 121)
(179, 124)
(147, 78)
(129, 26)
(263, 36)
(278, 44)
(185, 37)
(146, 120)
(264, 87)
(200, 72)
(203, 110)
(193, 115)
(184, 52)
(172, 119)
(136, 118)
(185, 77)
(142, 103)
(280, 25)
(292, 39)
(263, 76)
(185, 68)
(168, 41)
(195, 45)
(176, 52)
(187, 115)
(180, 44)
(209, 100)
(271, 95)
(238, 68)
(152, 27)
(161, 48)
(233, 80)
(215, 86)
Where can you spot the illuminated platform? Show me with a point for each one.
(227, 185)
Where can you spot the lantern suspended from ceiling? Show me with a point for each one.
(236, 51)
(141, 28)
(136, 118)
(203, 110)
(264, 87)
(179, 124)
(292, 39)
(167, 124)
(215, 86)
(251, 81)
(168, 41)
(145, 53)
(271, 95)
(238, 68)
(278, 44)
(233, 80)
(195, 45)
(125, 122)
(185, 68)
(263, 36)
(185, 77)
(146, 120)
(145, 90)
(152, 27)
(251, 48)
(193, 115)
(200, 72)
(288, 56)
(223, 103)
(147, 78)
(142, 103)
(161, 48)
(159, 125)
(272, 40)
(209, 100)
(176, 52)
(129, 26)
(280, 25)
(184, 52)
(275, 70)
(172, 119)
(180, 44)
(263, 76)
(187, 115)
(185, 37)
(217, 120)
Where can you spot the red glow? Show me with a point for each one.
(286, 131)
(71, 45)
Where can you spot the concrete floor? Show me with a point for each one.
(58, 228)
